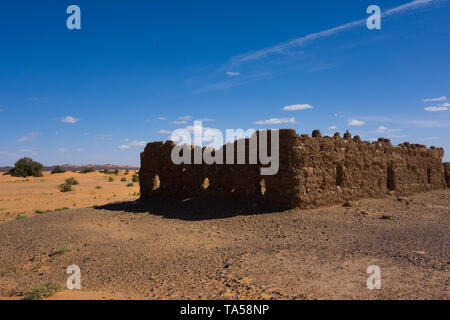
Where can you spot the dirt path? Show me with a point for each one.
(210, 249)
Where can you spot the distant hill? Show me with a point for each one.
(72, 167)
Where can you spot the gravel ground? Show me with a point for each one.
(215, 249)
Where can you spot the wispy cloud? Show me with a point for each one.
(29, 136)
(355, 122)
(383, 129)
(332, 127)
(429, 123)
(283, 47)
(163, 131)
(132, 143)
(179, 122)
(232, 74)
(161, 118)
(298, 107)
(69, 119)
(443, 98)
(436, 108)
(275, 121)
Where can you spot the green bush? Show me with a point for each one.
(126, 172)
(57, 169)
(135, 178)
(26, 167)
(110, 179)
(65, 187)
(72, 181)
(123, 180)
(130, 184)
(43, 291)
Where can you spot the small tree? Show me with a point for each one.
(26, 167)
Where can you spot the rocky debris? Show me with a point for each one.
(313, 172)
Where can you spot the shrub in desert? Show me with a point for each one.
(43, 291)
(72, 181)
(123, 180)
(57, 169)
(87, 170)
(65, 187)
(130, 184)
(126, 172)
(110, 179)
(26, 167)
(135, 178)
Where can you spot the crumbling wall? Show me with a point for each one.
(447, 173)
(313, 171)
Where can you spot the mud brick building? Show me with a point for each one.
(313, 171)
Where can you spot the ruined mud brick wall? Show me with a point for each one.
(313, 171)
(447, 173)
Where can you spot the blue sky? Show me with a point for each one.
(139, 69)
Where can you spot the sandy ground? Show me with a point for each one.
(23, 196)
(215, 249)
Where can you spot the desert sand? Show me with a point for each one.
(198, 248)
(24, 196)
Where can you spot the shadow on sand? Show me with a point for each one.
(190, 209)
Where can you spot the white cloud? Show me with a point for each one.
(233, 74)
(132, 143)
(162, 131)
(443, 98)
(69, 119)
(435, 109)
(161, 118)
(275, 121)
(355, 122)
(29, 136)
(332, 127)
(298, 107)
(383, 129)
(185, 118)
